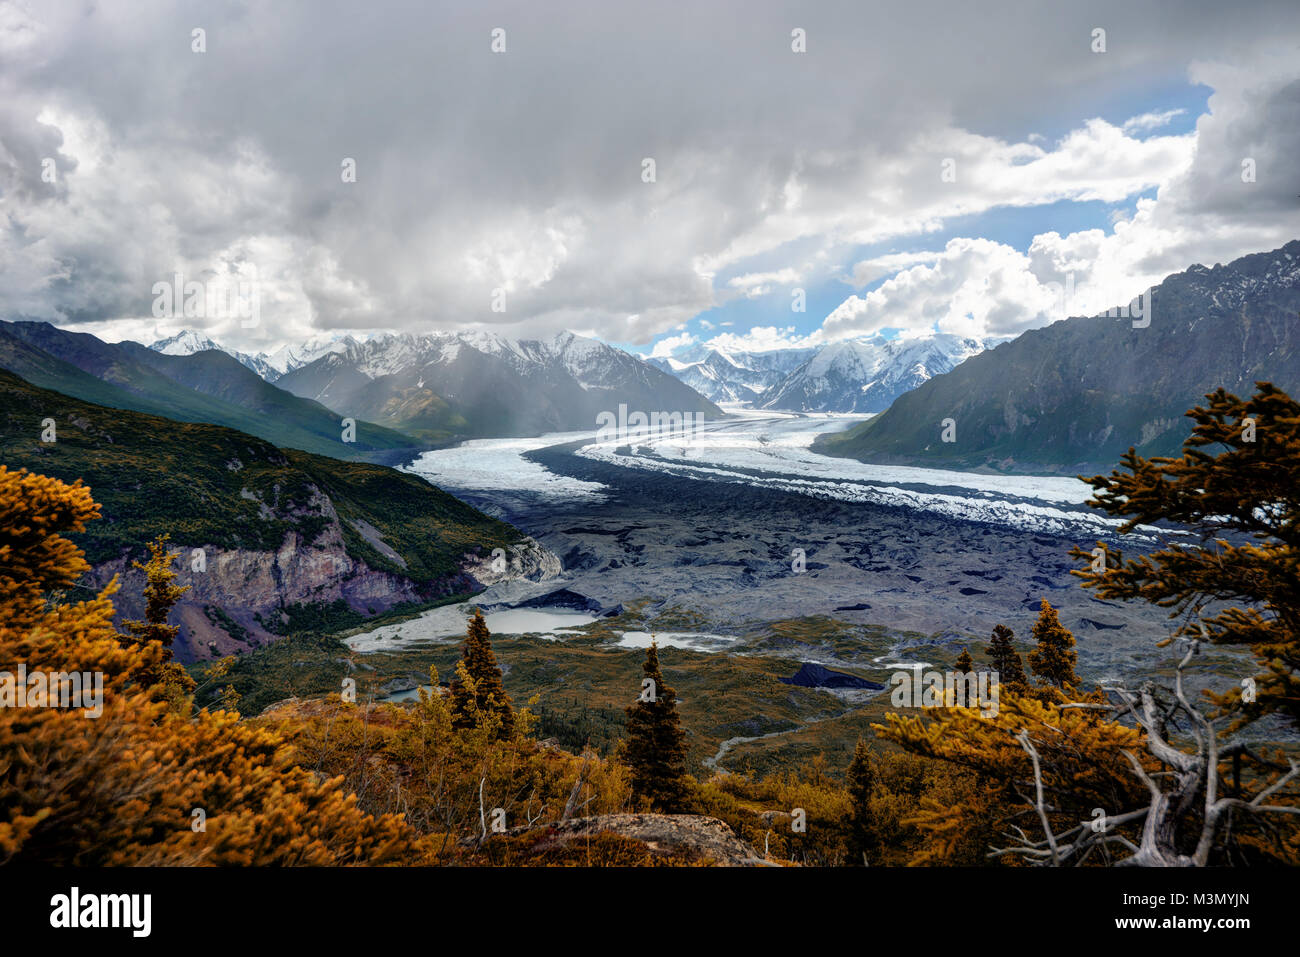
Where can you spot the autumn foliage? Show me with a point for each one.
(140, 784)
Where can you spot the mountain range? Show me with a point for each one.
(1075, 395)
(850, 375)
(732, 376)
(446, 385)
(866, 375)
(205, 386)
(425, 390)
(269, 365)
(1069, 396)
(439, 386)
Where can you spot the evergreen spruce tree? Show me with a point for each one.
(160, 595)
(965, 663)
(1054, 659)
(488, 693)
(655, 748)
(1006, 660)
(861, 780)
(1236, 487)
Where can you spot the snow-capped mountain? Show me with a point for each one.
(269, 365)
(866, 375)
(734, 376)
(296, 355)
(849, 376)
(442, 385)
(187, 342)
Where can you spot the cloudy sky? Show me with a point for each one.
(918, 167)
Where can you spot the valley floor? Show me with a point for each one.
(697, 544)
(718, 527)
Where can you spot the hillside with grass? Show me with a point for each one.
(280, 528)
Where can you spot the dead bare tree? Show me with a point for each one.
(531, 818)
(482, 812)
(571, 806)
(1189, 784)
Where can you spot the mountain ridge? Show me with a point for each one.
(269, 365)
(866, 375)
(844, 376)
(285, 534)
(1073, 396)
(205, 386)
(443, 386)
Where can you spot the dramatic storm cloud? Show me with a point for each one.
(518, 178)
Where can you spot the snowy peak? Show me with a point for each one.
(290, 357)
(185, 343)
(594, 363)
(734, 376)
(270, 366)
(849, 375)
(590, 362)
(867, 375)
(480, 383)
(852, 375)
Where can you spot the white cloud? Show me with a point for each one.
(975, 287)
(668, 346)
(869, 270)
(759, 339)
(756, 284)
(1202, 212)
(1150, 121)
(523, 172)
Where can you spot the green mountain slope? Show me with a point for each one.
(210, 486)
(1075, 395)
(204, 387)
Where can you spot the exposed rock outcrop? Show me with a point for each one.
(245, 584)
(668, 835)
(815, 676)
(526, 560)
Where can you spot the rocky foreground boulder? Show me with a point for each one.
(669, 838)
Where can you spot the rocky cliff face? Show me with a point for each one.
(268, 539)
(239, 592)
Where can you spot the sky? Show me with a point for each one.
(820, 171)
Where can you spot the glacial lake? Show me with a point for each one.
(450, 623)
